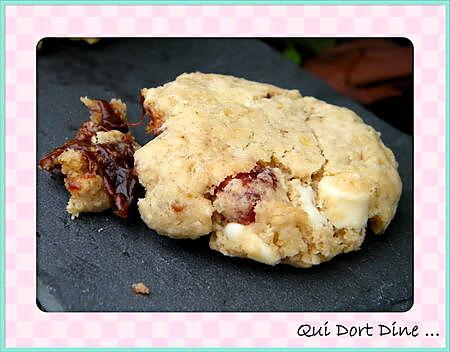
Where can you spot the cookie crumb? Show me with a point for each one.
(140, 289)
(98, 163)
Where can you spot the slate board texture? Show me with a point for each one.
(89, 264)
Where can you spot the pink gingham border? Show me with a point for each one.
(27, 326)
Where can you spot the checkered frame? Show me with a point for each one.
(27, 326)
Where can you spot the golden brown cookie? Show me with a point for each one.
(274, 176)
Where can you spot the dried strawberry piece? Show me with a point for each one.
(260, 173)
(110, 119)
(238, 195)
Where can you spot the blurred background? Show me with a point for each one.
(376, 72)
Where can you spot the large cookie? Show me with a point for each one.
(273, 176)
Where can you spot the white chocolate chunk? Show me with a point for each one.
(345, 200)
(242, 237)
(304, 197)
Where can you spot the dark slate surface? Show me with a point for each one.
(89, 264)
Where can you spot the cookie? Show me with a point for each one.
(271, 175)
(98, 163)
